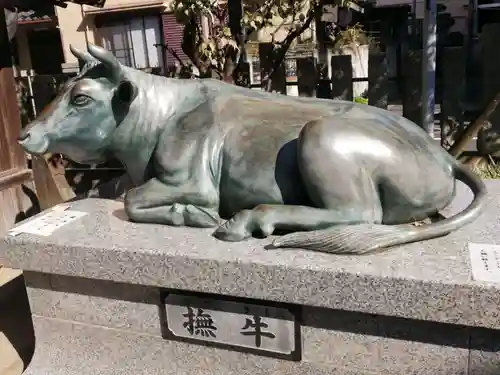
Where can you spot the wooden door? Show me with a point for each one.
(13, 169)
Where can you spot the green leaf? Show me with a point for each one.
(226, 31)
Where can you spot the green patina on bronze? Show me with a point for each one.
(341, 177)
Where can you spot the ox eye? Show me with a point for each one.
(80, 99)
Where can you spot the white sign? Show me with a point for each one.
(262, 328)
(46, 224)
(485, 262)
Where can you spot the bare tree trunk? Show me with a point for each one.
(458, 147)
(235, 59)
(190, 42)
(280, 54)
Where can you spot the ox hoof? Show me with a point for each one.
(201, 217)
(232, 232)
(228, 236)
(242, 227)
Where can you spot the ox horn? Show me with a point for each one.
(83, 56)
(108, 59)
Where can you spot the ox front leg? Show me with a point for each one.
(157, 203)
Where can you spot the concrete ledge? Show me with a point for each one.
(89, 350)
(427, 281)
(128, 307)
(94, 287)
(66, 348)
(330, 339)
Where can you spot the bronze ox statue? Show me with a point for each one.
(331, 175)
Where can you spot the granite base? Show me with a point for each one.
(95, 289)
(86, 312)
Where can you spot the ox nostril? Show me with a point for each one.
(23, 136)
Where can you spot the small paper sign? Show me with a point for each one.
(485, 262)
(46, 225)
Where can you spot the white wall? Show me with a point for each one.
(73, 30)
(454, 7)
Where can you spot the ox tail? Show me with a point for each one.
(368, 238)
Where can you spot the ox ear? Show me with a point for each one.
(82, 56)
(125, 92)
(108, 60)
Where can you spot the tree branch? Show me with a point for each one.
(172, 52)
(459, 145)
(279, 56)
(263, 11)
(190, 46)
(176, 56)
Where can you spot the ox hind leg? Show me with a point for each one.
(343, 193)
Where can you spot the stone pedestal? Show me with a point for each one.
(97, 288)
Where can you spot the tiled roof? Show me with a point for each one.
(35, 16)
(94, 3)
(36, 11)
(33, 4)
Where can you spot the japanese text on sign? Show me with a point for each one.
(485, 262)
(238, 325)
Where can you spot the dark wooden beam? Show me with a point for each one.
(11, 155)
(24, 4)
(32, 4)
(14, 176)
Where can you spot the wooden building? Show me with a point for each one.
(17, 196)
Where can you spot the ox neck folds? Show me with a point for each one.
(159, 103)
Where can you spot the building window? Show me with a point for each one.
(136, 42)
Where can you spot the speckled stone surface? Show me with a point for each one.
(330, 338)
(65, 348)
(68, 348)
(384, 345)
(107, 304)
(430, 280)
